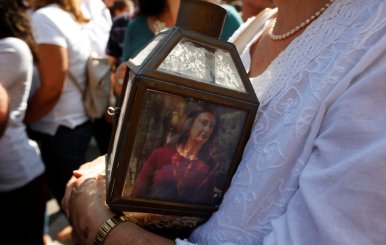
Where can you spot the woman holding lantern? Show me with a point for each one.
(315, 161)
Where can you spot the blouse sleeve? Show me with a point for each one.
(144, 179)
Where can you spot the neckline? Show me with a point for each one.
(195, 158)
(274, 78)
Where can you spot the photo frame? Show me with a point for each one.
(160, 170)
(180, 128)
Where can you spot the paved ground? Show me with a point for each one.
(56, 219)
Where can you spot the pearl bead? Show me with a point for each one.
(300, 26)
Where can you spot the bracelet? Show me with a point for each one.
(107, 227)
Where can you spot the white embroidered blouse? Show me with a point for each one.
(314, 169)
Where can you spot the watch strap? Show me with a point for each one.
(106, 227)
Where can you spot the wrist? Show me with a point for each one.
(106, 228)
(87, 225)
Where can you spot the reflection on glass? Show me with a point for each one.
(204, 64)
(141, 56)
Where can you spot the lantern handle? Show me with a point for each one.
(201, 16)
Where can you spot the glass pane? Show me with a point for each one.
(164, 166)
(119, 129)
(141, 56)
(203, 63)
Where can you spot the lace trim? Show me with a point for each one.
(290, 62)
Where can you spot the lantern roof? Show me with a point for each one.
(188, 58)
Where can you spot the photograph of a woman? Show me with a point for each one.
(183, 170)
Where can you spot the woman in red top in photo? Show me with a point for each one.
(183, 171)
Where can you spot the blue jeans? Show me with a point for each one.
(63, 153)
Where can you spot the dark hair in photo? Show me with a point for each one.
(193, 112)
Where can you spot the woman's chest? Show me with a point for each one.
(263, 52)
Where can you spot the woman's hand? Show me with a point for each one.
(86, 171)
(85, 205)
(87, 208)
(84, 201)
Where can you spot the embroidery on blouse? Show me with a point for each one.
(314, 71)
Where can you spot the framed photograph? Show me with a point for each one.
(183, 150)
(185, 116)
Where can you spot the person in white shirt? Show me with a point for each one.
(23, 186)
(55, 112)
(97, 31)
(313, 170)
(98, 28)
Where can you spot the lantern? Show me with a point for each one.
(185, 117)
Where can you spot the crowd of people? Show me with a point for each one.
(313, 169)
(45, 131)
(23, 187)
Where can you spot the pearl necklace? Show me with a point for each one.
(300, 26)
